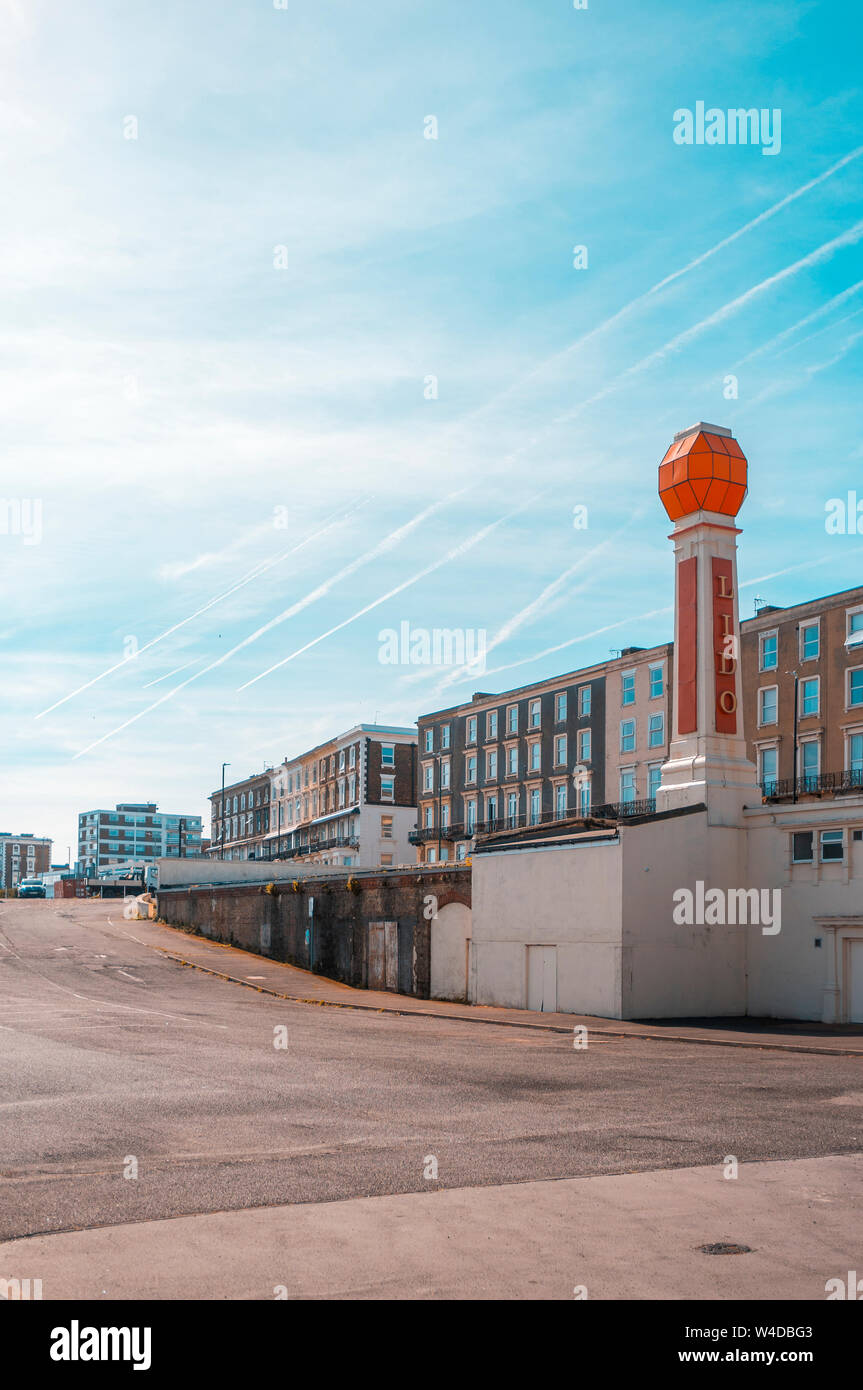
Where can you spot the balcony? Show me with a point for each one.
(815, 784)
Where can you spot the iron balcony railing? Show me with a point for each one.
(462, 830)
(813, 784)
(297, 851)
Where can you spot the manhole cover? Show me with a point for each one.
(723, 1248)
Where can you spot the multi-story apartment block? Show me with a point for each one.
(135, 832)
(815, 649)
(22, 856)
(531, 754)
(349, 801)
(638, 720)
(240, 818)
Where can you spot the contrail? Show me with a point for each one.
(821, 253)
(386, 544)
(168, 674)
(810, 318)
(675, 275)
(455, 553)
(260, 568)
(584, 637)
(826, 329)
(536, 606)
(762, 217)
(641, 617)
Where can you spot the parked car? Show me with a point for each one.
(31, 888)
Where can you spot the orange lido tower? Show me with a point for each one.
(702, 484)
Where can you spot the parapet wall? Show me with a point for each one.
(333, 939)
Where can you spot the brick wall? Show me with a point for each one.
(276, 923)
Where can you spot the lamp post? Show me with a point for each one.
(794, 765)
(222, 838)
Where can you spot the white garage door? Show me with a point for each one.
(450, 949)
(542, 979)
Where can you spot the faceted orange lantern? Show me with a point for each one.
(703, 471)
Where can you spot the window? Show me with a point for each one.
(535, 755)
(491, 811)
(243, 802)
(560, 707)
(428, 741)
(627, 688)
(431, 856)
(560, 751)
(512, 762)
(855, 758)
(341, 764)
(388, 788)
(470, 816)
(352, 788)
(512, 719)
(809, 696)
(832, 846)
(654, 777)
(491, 766)
(461, 851)
(512, 808)
(768, 764)
(810, 761)
(657, 681)
(428, 817)
(583, 701)
(855, 687)
(444, 772)
(655, 730)
(471, 730)
(388, 755)
(535, 713)
(491, 724)
(768, 654)
(584, 739)
(627, 784)
(444, 815)
(471, 769)
(810, 642)
(444, 735)
(584, 798)
(801, 847)
(534, 806)
(386, 859)
(428, 777)
(768, 702)
(627, 735)
(560, 800)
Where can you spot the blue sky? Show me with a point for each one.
(186, 411)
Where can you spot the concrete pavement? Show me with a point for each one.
(634, 1236)
(114, 1051)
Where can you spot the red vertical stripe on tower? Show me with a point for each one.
(687, 645)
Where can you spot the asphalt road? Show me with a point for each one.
(111, 1053)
